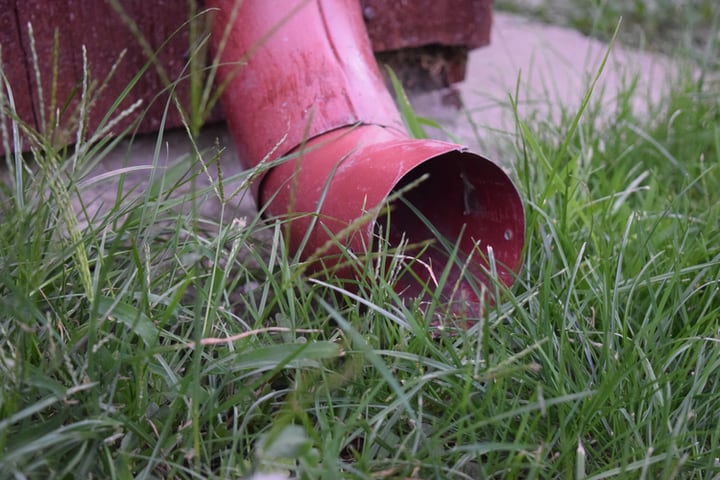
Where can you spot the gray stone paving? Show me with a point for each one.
(554, 65)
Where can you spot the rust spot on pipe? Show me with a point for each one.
(408, 24)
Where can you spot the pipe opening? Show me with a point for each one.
(466, 199)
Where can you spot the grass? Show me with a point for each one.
(668, 26)
(153, 342)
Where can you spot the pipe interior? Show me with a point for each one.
(464, 197)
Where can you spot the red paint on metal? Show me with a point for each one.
(312, 74)
(335, 178)
(307, 86)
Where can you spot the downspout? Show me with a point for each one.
(302, 82)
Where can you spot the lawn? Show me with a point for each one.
(670, 26)
(153, 342)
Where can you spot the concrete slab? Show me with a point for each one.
(549, 67)
(544, 68)
(135, 160)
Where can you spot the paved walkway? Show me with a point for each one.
(544, 68)
(549, 66)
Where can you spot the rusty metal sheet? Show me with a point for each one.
(99, 28)
(14, 65)
(396, 24)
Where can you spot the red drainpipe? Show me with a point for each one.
(302, 81)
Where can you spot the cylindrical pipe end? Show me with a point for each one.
(337, 185)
